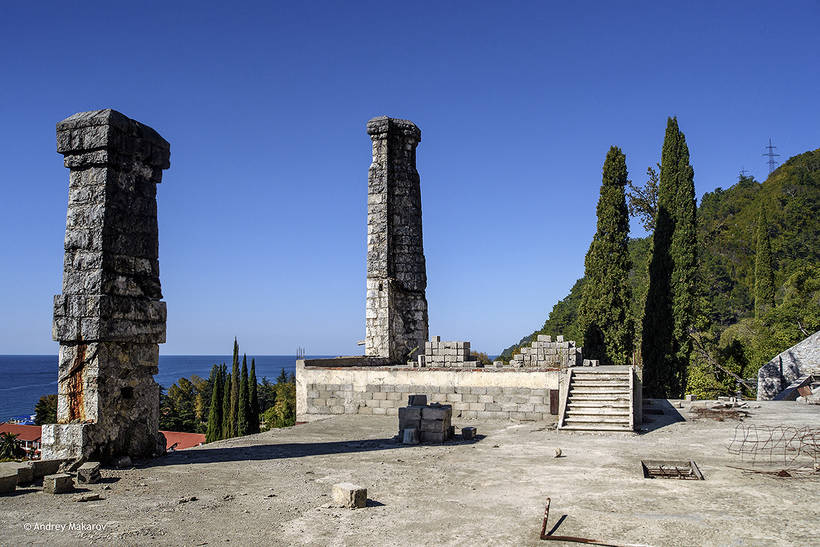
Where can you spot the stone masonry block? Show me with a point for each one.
(89, 473)
(8, 480)
(25, 474)
(59, 483)
(349, 495)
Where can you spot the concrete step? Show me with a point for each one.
(600, 403)
(597, 419)
(598, 391)
(597, 427)
(600, 383)
(599, 370)
(572, 412)
(589, 397)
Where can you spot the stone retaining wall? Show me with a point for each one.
(474, 394)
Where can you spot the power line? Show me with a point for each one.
(771, 155)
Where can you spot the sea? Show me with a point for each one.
(26, 378)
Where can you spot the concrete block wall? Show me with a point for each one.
(439, 354)
(487, 394)
(543, 352)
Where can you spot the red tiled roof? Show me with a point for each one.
(182, 440)
(29, 433)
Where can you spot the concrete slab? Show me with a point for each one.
(275, 488)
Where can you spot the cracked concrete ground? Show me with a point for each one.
(274, 488)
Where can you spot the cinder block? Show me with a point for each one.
(349, 495)
(485, 399)
(432, 437)
(434, 425)
(477, 406)
(454, 397)
(392, 411)
(365, 410)
(394, 396)
(492, 407)
(443, 412)
(469, 398)
(380, 411)
(410, 436)
(58, 484)
(417, 400)
(379, 396)
(89, 473)
(559, 338)
(41, 468)
(24, 473)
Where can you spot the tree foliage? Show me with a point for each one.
(764, 272)
(45, 411)
(604, 312)
(244, 412)
(727, 223)
(643, 200)
(254, 402)
(214, 430)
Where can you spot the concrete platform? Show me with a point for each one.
(275, 488)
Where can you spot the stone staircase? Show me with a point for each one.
(598, 399)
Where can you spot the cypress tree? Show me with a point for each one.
(214, 431)
(684, 271)
(657, 325)
(235, 380)
(254, 423)
(764, 273)
(243, 424)
(227, 431)
(604, 310)
(669, 310)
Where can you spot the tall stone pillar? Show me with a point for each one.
(109, 319)
(396, 316)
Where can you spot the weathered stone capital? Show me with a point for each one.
(382, 126)
(107, 137)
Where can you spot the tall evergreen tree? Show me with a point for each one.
(235, 381)
(764, 272)
(214, 431)
(227, 430)
(254, 419)
(243, 423)
(604, 310)
(658, 348)
(684, 271)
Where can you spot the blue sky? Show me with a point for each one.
(263, 211)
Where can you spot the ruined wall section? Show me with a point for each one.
(109, 318)
(396, 309)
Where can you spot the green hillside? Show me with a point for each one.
(727, 228)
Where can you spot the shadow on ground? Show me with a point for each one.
(286, 450)
(659, 413)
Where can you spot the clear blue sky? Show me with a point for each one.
(262, 213)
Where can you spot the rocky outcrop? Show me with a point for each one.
(799, 360)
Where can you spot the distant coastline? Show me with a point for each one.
(28, 377)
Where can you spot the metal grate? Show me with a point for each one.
(671, 469)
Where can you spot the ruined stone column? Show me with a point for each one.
(109, 319)
(396, 316)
